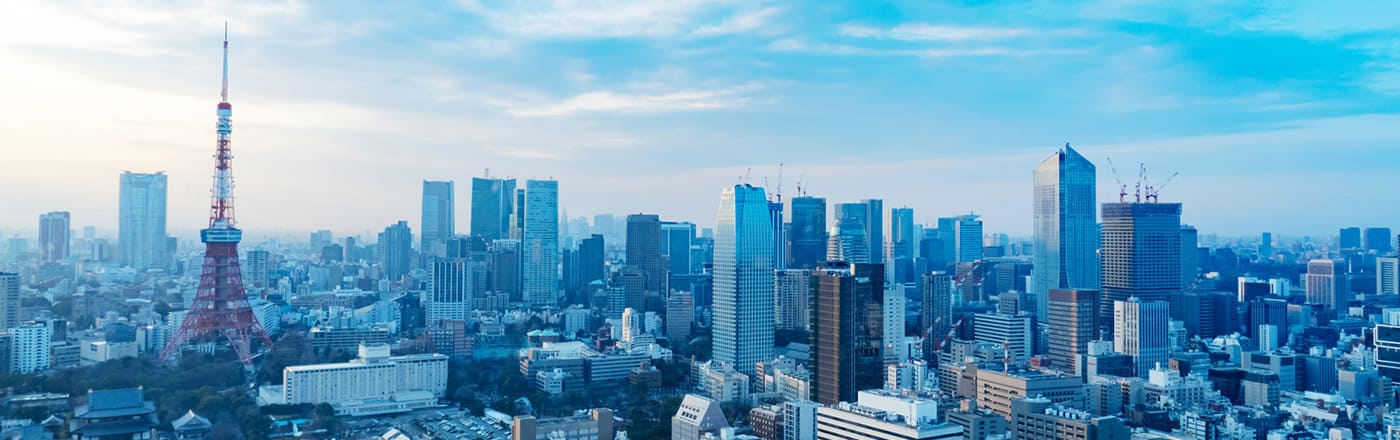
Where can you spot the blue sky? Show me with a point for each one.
(1281, 116)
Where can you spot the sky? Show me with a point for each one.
(1278, 116)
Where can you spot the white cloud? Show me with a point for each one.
(622, 102)
(584, 19)
(930, 32)
(740, 23)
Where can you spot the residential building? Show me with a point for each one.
(790, 295)
(395, 250)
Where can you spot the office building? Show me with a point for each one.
(680, 314)
(937, 304)
(846, 242)
(9, 300)
(996, 389)
(506, 268)
(1387, 355)
(1349, 238)
(1326, 284)
(902, 233)
(1035, 418)
(799, 420)
(790, 294)
(1264, 312)
(540, 243)
(54, 236)
(493, 207)
(451, 284)
(676, 241)
(595, 424)
(775, 218)
(1140, 331)
(847, 330)
(1066, 227)
(395, 250)
(141, 237)
(255, 272)
(439, 217)
(1014, 334)
(743, 279)
(1377, 240)
(696, 417)
(374, 383)
(1141, 254)
(883, 417)
(1190, 259)
(644, 249)
(1388, 275)
(875, 229)
(1072, 325)
(967, 238)
(808, 231)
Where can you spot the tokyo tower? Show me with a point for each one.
(220, 310)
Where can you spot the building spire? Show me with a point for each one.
(224, 93)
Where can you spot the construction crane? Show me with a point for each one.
(799, 184)
(1137, 187)
(1122, 189)
(1154, 191)
(780, 183)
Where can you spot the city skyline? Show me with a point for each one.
(665, 108)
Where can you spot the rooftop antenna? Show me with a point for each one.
(1122, 189)
(747, 172)
(224, 94)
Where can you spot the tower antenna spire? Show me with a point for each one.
(224, 94)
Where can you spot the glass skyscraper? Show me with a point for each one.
(743, 279)
(141, 237)
(540, 246)
(439, 217)
(1066, 227)
(54, 236)
(493, 205)
(808, 232)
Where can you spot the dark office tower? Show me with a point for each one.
(1377, 239)
(875, 229)
(1072, 319)
(493, 207)
(54, 236)
(1190, 267)
(1268, 311)
(1141, 254)
(931, 253)
(505, 268)
(1206, 314)
(847, 330)
(937, 304)
(395, 250)
(644, 250)
(439, 217)
(808, 232)
(1349, 238)
(1266, 246)
(676, 239)
(1066, 226)
(1326, 284)
(775, 216)
(633, 283)
(589, 264)
(9, 301)
(902, 232)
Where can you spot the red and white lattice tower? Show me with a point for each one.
(220, 310)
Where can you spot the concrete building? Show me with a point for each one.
(595, 424)
(977, 423)
(790, 294)
(883, 415)
(1141, 254)
(1072, 323)
(55, 235)
(696, 417)
(1037, 418)
(141, 236)
(29, 348)
(451, 284)
(1140, 331)
(9, 299)
(800, 420)
(1014, 333)
(373, 383)
(1326, 284)
(680, 314)
(1388, 275)
(996, 389)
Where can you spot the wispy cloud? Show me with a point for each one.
(608, 101)
(740, 23)
(587, 19)
(931, 32)
(799, 45)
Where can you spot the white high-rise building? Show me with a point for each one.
(450, 289)
(1066, 227)
(373, 383)
(540, 271)
(141, 237)
(1140, 331)
(743, 279)
(791, 289)
(29, 349)
(255, 269)
(1388, 275)
(893, 332)
(1326, 284)
(1012, 333)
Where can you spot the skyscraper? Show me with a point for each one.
(775, 217)
(54, 236)
(1377, 239)
(790, 291)
(493, 207)
(450, 285)
(847, 330)
(255, 274)
(902, 232)
(540, 269)
(141, 220)
(1140, 331)
(676, 239)
(644, 249)
(1388, 275)
(846, 242)
(967, 236)
(588, 268)
(1326, 284)
(808, 231)
(1141, 254)
(743, 279)
(439, 217)
(1071, 317)
(937, 302)
(875, 229)
(1349, 238)
(9, 300)
(1190, 264)
(395, 250)
(1066, 227)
